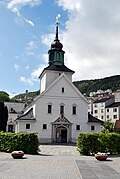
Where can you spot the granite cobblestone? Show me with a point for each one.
(58, 162)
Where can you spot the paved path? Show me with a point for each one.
(58, 162)
(60, 150)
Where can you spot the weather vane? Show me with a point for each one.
(57, 18)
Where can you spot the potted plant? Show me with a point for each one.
(101, 156)
(17, 154)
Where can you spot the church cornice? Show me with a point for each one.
(53, 67)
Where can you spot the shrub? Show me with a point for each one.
(27, 142)
(90, 143)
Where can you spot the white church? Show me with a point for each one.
(60, 112)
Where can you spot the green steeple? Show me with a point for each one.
(56, 54)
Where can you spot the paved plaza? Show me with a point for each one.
(58, 162)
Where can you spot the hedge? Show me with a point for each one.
(27, 142)
(91, 143)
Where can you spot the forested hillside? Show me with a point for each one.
(85, 86)
(26, 97)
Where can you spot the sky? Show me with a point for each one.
(88, 29)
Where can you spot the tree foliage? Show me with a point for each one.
(91, 143)
(25, 97)
(87, 86)
(108, 126)
(4, 97)
(3, 116)
(27, 142)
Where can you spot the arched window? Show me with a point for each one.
(58, 56)
(51, 57)
(74, 109)
(49, 108)
(62, 108)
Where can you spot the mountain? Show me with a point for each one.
(25, 97)
(85, 87)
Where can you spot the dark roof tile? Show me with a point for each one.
(27, 116)
(62, 68)
(117, 104)
(93, 119)
(102, 100)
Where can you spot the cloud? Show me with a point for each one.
(47, 39)
(27, 81)
(31, 45)
(15, 6)
(31, 48)
(12, 94)
(33, 77)
(91, 40)
(21, 18)
(69, 4)
(19, 3)
(16, 67)
(27, 67)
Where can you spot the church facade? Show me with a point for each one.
(60, 112)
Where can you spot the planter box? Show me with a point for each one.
(17, 154)
(101, 157)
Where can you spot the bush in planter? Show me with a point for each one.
(103, 142)
(27, 142)
(114, 143)
(87, 143)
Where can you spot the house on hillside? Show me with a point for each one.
(113, 112)
(60, 112)
(99, 107)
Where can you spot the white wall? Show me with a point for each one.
(55, 96)
(111, 114)
(48, 77)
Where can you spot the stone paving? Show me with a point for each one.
(58, 162)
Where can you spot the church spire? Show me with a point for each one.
(57, 23)
(56, 38)
(56, 54)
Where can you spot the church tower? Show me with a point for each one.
(56, 54)
(56, 64)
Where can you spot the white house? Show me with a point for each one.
(99, 107)
(14, 110)
(60, 112)
(113, 112)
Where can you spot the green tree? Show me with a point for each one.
(3, 116)
(4, 97)
(108, 126)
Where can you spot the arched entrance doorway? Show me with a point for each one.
(61, 134)
(61, 130)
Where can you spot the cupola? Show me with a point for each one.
(56, 54)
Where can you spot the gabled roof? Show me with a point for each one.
(73, 86)
(53, 67)
(102, 100)
(50, 86)
(116, 104)
(93, 119)
(27, 116)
